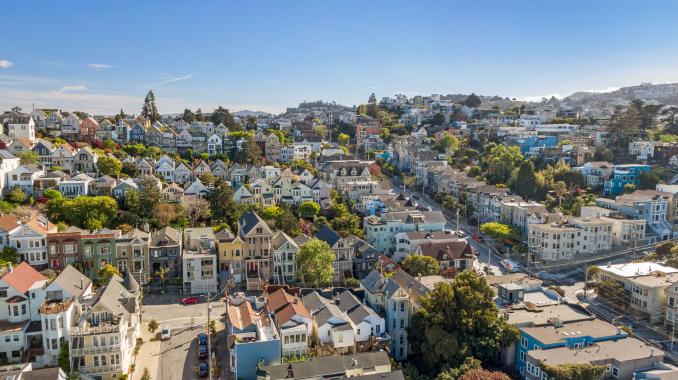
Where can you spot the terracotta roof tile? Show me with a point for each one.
(22, 277)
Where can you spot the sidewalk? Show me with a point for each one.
(148, 356)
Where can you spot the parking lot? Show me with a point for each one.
(178, 357)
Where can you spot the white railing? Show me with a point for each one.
(90, 370)
(95, 350)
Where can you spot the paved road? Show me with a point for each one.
(178, 356)
(486, 254)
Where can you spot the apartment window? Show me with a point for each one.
(402, 323)
(402, 306)
(96, 361)
(615, 371)
(522, 356)
(3, 292)
(523, 342)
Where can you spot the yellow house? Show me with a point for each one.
(230, 255)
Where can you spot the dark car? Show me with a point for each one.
(202, 351)
(190, 300)
(202, 339)
(202, 369)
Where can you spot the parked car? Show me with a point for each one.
(202, 339)
(165, 333)
(190, 300)
(202, 351)
(202, 369)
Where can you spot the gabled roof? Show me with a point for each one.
(328, 235)
(9, 222)
(251, 219)
(23, 277)
(69, 280)
(278, 299)
(115, 298)
(452, 250)
(281, 238)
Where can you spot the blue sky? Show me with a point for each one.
(99, 56)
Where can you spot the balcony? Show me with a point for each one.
(101, 328)
(95, 350)
(87, 370)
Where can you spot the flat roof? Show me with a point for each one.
(637, 269)
(540, 315)
(550, 334)
(621, 350)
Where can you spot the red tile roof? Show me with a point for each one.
(22, 277)
(9, 222)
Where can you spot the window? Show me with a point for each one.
(523, 342)
(522, 356)
(615, 371)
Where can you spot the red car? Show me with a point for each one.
(190, 300)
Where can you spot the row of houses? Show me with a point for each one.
(98, 326)
(285, 326)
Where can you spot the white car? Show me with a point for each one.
(165, 333)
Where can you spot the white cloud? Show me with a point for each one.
(65, 89)
(5, 64)
(99, 66)
(185, 77)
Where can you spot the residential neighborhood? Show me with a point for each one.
(308, 190)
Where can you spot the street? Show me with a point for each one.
(177, 357)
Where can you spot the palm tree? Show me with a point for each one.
(560, 189)
(162, 273)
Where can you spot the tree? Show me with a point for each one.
(199, 116)
(308, 209)
(472, 101)
(447, 143)
(28, 157)
(271, 212)
(501, 161)
(188, 116)
(162, 273)
(629, 188)
(420, 265)
(483, 374)
(372, 107)
(250, 153)
(664, 248)
(149, 197)
(526, 181)
(17, 195)
(497, 231)
(135, 150)
(222, 206)
(579, 371)
(130, 169)
(8, 255)
(603, 154)
(152, 326)
(321, 130)
(648, 181)
(86, 212)
(470, 363)
(343, 139)
(613, 292)
(560, 190)
(149, 110)
(63, 360)
(438, 119)
(667, 119)
(146, 375)
(287, 222)
(222, 116)
(195, 209)
(105, 273)
(457, 320)
(109, 166)
(362, 110)
(314, 260)
(164, 214)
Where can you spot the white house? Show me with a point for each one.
(199, 273)
(23, 177)
(331, 326)
(641, 149)
(214, 145)
(30, 241)
(8, 162)
(21, 126)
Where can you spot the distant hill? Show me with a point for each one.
(666, 93)
(245, 113)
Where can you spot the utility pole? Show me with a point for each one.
(209, 338)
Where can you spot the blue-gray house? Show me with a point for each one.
(252, 337)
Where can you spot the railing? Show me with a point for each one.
(90, 330)
(95, 350)
(90, 370)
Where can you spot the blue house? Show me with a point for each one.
(252, 337)
(623, 175)
(137, 134)
(529, 143)
(557, 334)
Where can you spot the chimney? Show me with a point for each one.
(10, 268)
(82, 283)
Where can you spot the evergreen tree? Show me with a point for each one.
(188, 116)
(473, 101)
(372, 109)
(526, 182)
(149, 109)
(221, 115)
(199, 116)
